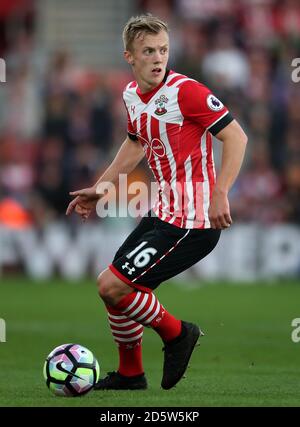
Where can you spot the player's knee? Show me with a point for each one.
(109, 288)
(105, 286)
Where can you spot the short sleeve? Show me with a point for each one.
(198, 104)
(130, 131)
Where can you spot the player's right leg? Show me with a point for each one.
(127, 333)
(128, 336)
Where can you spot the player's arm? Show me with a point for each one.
(128, 157)
(234, 142)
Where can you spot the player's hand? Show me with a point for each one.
(84, 203)
(219, 211)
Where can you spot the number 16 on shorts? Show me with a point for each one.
(142, 257)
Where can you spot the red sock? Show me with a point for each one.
(128, 336)
(130, 360)
(145, 309)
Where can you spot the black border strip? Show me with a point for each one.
(221, 124)
(132, 136)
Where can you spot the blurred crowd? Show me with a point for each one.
(61, 124)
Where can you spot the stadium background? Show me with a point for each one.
(62, 120)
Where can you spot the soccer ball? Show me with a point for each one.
(71, 370)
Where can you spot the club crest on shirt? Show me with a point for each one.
(161, 107)
(213, 103)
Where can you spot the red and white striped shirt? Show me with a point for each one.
(174, 122)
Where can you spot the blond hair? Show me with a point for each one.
(138, 25)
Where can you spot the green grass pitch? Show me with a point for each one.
(247, 357)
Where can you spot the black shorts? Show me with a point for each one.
(156, 251)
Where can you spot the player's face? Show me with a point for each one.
(149, 57)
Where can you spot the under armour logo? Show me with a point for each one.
(132, 108)
(130, 270)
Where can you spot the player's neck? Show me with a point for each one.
(146, 87)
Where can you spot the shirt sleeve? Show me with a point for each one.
(198, 104)
(130, 131)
